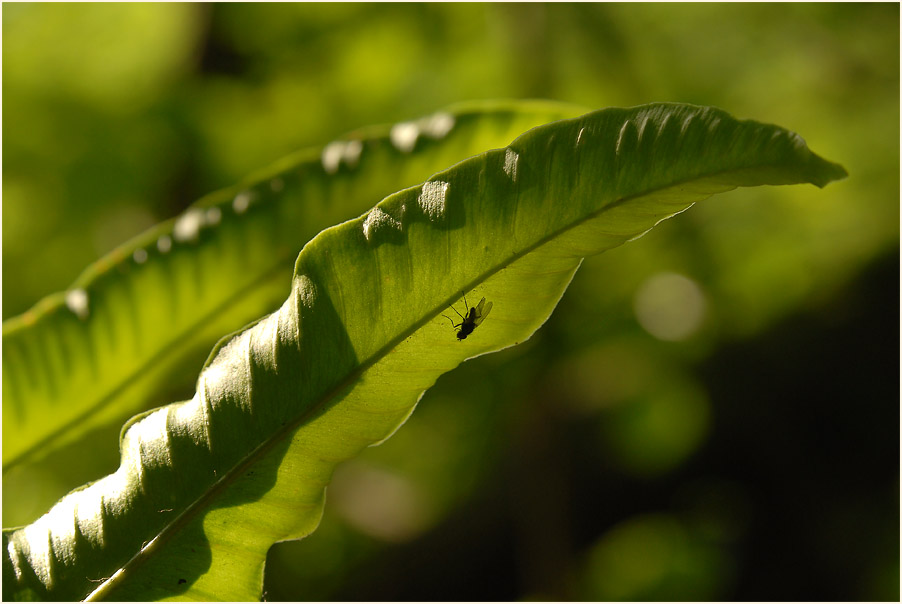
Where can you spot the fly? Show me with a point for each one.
(475, 316)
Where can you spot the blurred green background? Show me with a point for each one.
(711, 413)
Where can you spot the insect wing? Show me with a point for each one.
(482, 311)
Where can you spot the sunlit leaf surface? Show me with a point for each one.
(206, 486)
(95, 353)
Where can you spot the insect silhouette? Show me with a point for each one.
(475, 316)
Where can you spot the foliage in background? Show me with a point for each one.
(788, 479)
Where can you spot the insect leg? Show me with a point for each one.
(458, 314)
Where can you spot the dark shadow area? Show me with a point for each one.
(807, 421)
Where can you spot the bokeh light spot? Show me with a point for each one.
(670, 307)
(658, 431)
(653, 557)
(378, 503)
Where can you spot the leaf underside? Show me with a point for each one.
(206, 486)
